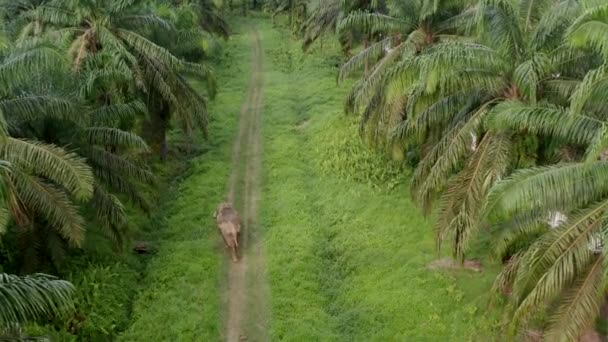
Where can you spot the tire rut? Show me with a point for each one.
(247, 293)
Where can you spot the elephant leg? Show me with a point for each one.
(235, 257)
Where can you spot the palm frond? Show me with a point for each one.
(552, 263)
(519, 233)
(22, 65)
(591, 29)
(149, 49)
(558, 16)
(585, 88)
(558, 186)
(461, 203)
(371, 22)
(121, 165)
(528, 74)
(139, 21)
(66, 169)
(110, 213)
(31, 297)
(435, 169)
(580, 304)
(109, 136)
(120, 184)
(547, 120)
(110, 114)
(51, 203)
(33, 107)
(373, 52)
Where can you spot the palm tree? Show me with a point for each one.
(188, 103)
(49, 184)
(408, 30)
(37, 182)
(560, 270)
(324, 18)
(297, 11)
(110, 38)
(210, 19)
(44, 182)
(455, 85)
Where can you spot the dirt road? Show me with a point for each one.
(247, 292)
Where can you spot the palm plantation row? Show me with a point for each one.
(501, 107)
(89, 90)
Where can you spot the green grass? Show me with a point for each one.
(347, 260)
(181, 300)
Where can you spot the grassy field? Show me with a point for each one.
(346, 247)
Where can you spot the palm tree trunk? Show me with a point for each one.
(604, 318)
(155, 130)
(290, 14)
(163, 146)
(345, 40)
(366, 45)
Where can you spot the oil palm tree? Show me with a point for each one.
(560, 270)
(324, 18)
(452, 89)
(190, 88)
(210, 18)
(297, 11)
(44, 182)
(408, 30)
(110, 152)
(101, 33)
(48, 184)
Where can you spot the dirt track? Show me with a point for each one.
(247, 292)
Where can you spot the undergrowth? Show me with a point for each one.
(107, 278)
(341, 153)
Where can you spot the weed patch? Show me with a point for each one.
(340, 152)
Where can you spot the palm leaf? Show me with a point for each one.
(66, 169)
(557, 186)
(52, 204)
(24, 299)
(109, 136)
(462, 202)
(121, 165)
(547, 120)
(33, 107)
(110, 114)
(110, 213)
(580, 304)
(552, 263)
